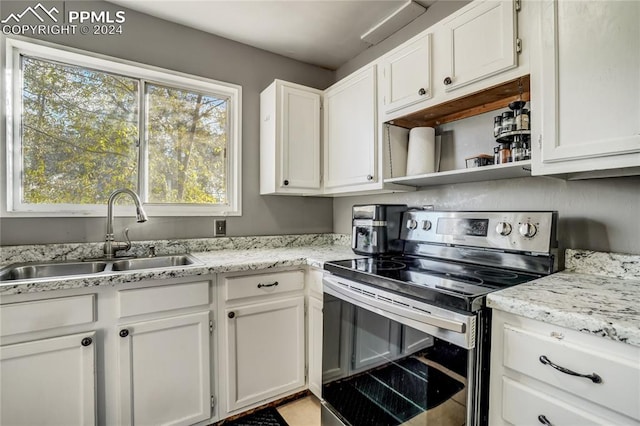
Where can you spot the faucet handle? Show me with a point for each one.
(126, 238)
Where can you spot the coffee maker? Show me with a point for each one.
(376, 229)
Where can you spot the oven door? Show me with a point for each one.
(389, 360)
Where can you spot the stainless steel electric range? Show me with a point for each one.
(406, 333)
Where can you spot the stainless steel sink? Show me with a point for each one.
(25, 271)
(152, 262)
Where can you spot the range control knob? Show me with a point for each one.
(426, 225)
(527, 229)
(412, 224)
(503, 228)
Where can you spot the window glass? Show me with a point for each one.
(80, 126)
(187, 146)
(79, 133)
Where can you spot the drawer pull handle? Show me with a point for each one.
(593, 376)
(273, 284)
(542, 419)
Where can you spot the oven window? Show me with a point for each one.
(377, 371)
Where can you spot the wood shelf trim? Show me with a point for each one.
(490, 99)
(494, 172)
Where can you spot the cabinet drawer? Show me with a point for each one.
(617, 390)
(26, 317)
(263, 284)
(162, 298)
(522, 405)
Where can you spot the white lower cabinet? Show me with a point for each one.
(49, 381)
(164, 371)
(545, 374)
(262, 338)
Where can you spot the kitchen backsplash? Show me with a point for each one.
(618, 265)
(30, 253)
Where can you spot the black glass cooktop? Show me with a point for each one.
(446, 283)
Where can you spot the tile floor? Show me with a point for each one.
(301, 412)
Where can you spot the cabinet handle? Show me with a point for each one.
(231, 314)
(593, 376)
(273, 284)
(447, 81)
(542, 419)
(422, 92)
(369, 177)
(86, 341)
(286, 182)
(124, 332)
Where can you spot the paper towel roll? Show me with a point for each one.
(421, 155)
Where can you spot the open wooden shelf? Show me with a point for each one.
(490, 99)
(475, 174)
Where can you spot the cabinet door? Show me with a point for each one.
(482, 42)
(314, 337)
(350, 132)
(376, 339)
(300, 134)
(164, 371)
(49, 382)
(407, 75)
(588, 87)
(265, 351)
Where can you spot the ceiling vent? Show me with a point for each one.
(392, 23)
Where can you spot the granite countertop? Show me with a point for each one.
(241, 254)
(597, 294)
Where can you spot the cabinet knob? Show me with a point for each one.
(86, 341)
(286, 182)
(542, 419)
(124, 332)
(369, 177)
(447, 81)
(231, 314)
(422, 92)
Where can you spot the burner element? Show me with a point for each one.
(388, 265)
(490, 273)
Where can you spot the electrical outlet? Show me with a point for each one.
(219, 227)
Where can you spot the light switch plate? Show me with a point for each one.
(219, 228)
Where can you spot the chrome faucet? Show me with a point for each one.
(110, 245)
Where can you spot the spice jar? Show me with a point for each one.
(517, 150)
(504, 153)
(497, 125)
(496, 155)
(508, 122)
(522, 119)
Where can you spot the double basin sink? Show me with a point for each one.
(34, 270)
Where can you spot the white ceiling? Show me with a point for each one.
(320, 32)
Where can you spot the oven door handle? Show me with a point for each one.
(430, 319)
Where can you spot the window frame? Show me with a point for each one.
(12, 205)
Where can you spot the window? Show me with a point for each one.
(82, 126)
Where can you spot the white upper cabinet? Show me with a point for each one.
(481, 42)
(289, 139)
(586, 88)
(406, 75)
(350, 133)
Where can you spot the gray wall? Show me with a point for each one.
(160, 43)
(597, 214)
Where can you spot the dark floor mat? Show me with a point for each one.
(391, 395)
(266, 417)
